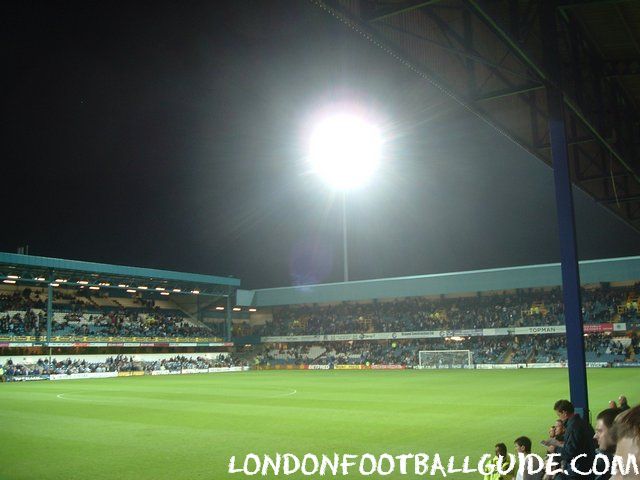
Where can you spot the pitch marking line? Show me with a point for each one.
(292, 392)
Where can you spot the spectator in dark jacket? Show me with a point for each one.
(578, 440)
(622, 401)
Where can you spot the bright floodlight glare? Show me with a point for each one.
(345, 150)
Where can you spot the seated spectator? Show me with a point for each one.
(500, 458)
(557, 431)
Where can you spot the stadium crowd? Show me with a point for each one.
(119, 363)
(110, 324)
(187, 363)
(21, 313)
(530, 308)
(499, 349)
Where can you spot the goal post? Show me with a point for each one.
(433, 359)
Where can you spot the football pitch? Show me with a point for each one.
(188, 426)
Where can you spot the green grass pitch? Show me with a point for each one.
(188, 426)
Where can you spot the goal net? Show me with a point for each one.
(444, 358)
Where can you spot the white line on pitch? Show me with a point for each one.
(292, 392)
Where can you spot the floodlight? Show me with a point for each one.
(345, 150)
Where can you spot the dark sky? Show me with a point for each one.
(172, 135)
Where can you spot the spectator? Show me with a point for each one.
(578, 442)
(626, 435)
(500, 458)
(523, 446)
(557, 430)
(622, 400)
(606, 445)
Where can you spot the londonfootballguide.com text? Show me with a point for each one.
(420, 464)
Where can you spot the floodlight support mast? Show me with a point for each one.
(566, 218)
(345, 249)
(228, 319)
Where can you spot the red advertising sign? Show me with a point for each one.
(597, 328)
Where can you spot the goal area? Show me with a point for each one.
(433, 359)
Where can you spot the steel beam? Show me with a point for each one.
(507, 92)
(581, 3)
(603, 177)
(625, 199)
(483, 14)
(407, 8)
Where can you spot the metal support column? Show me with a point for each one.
(566, 220)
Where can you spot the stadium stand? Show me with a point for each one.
(79, 314)
(23, 313)
(534, 308)
(112, 324)
(485, 350)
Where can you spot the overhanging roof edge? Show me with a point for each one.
(445, 274)
(105, 268)
(494, 279)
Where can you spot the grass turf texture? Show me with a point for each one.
(187, 427)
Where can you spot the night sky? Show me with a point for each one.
(173, 135)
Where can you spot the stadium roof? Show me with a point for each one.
(490, 280)
(40, 270)
(500, 60)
